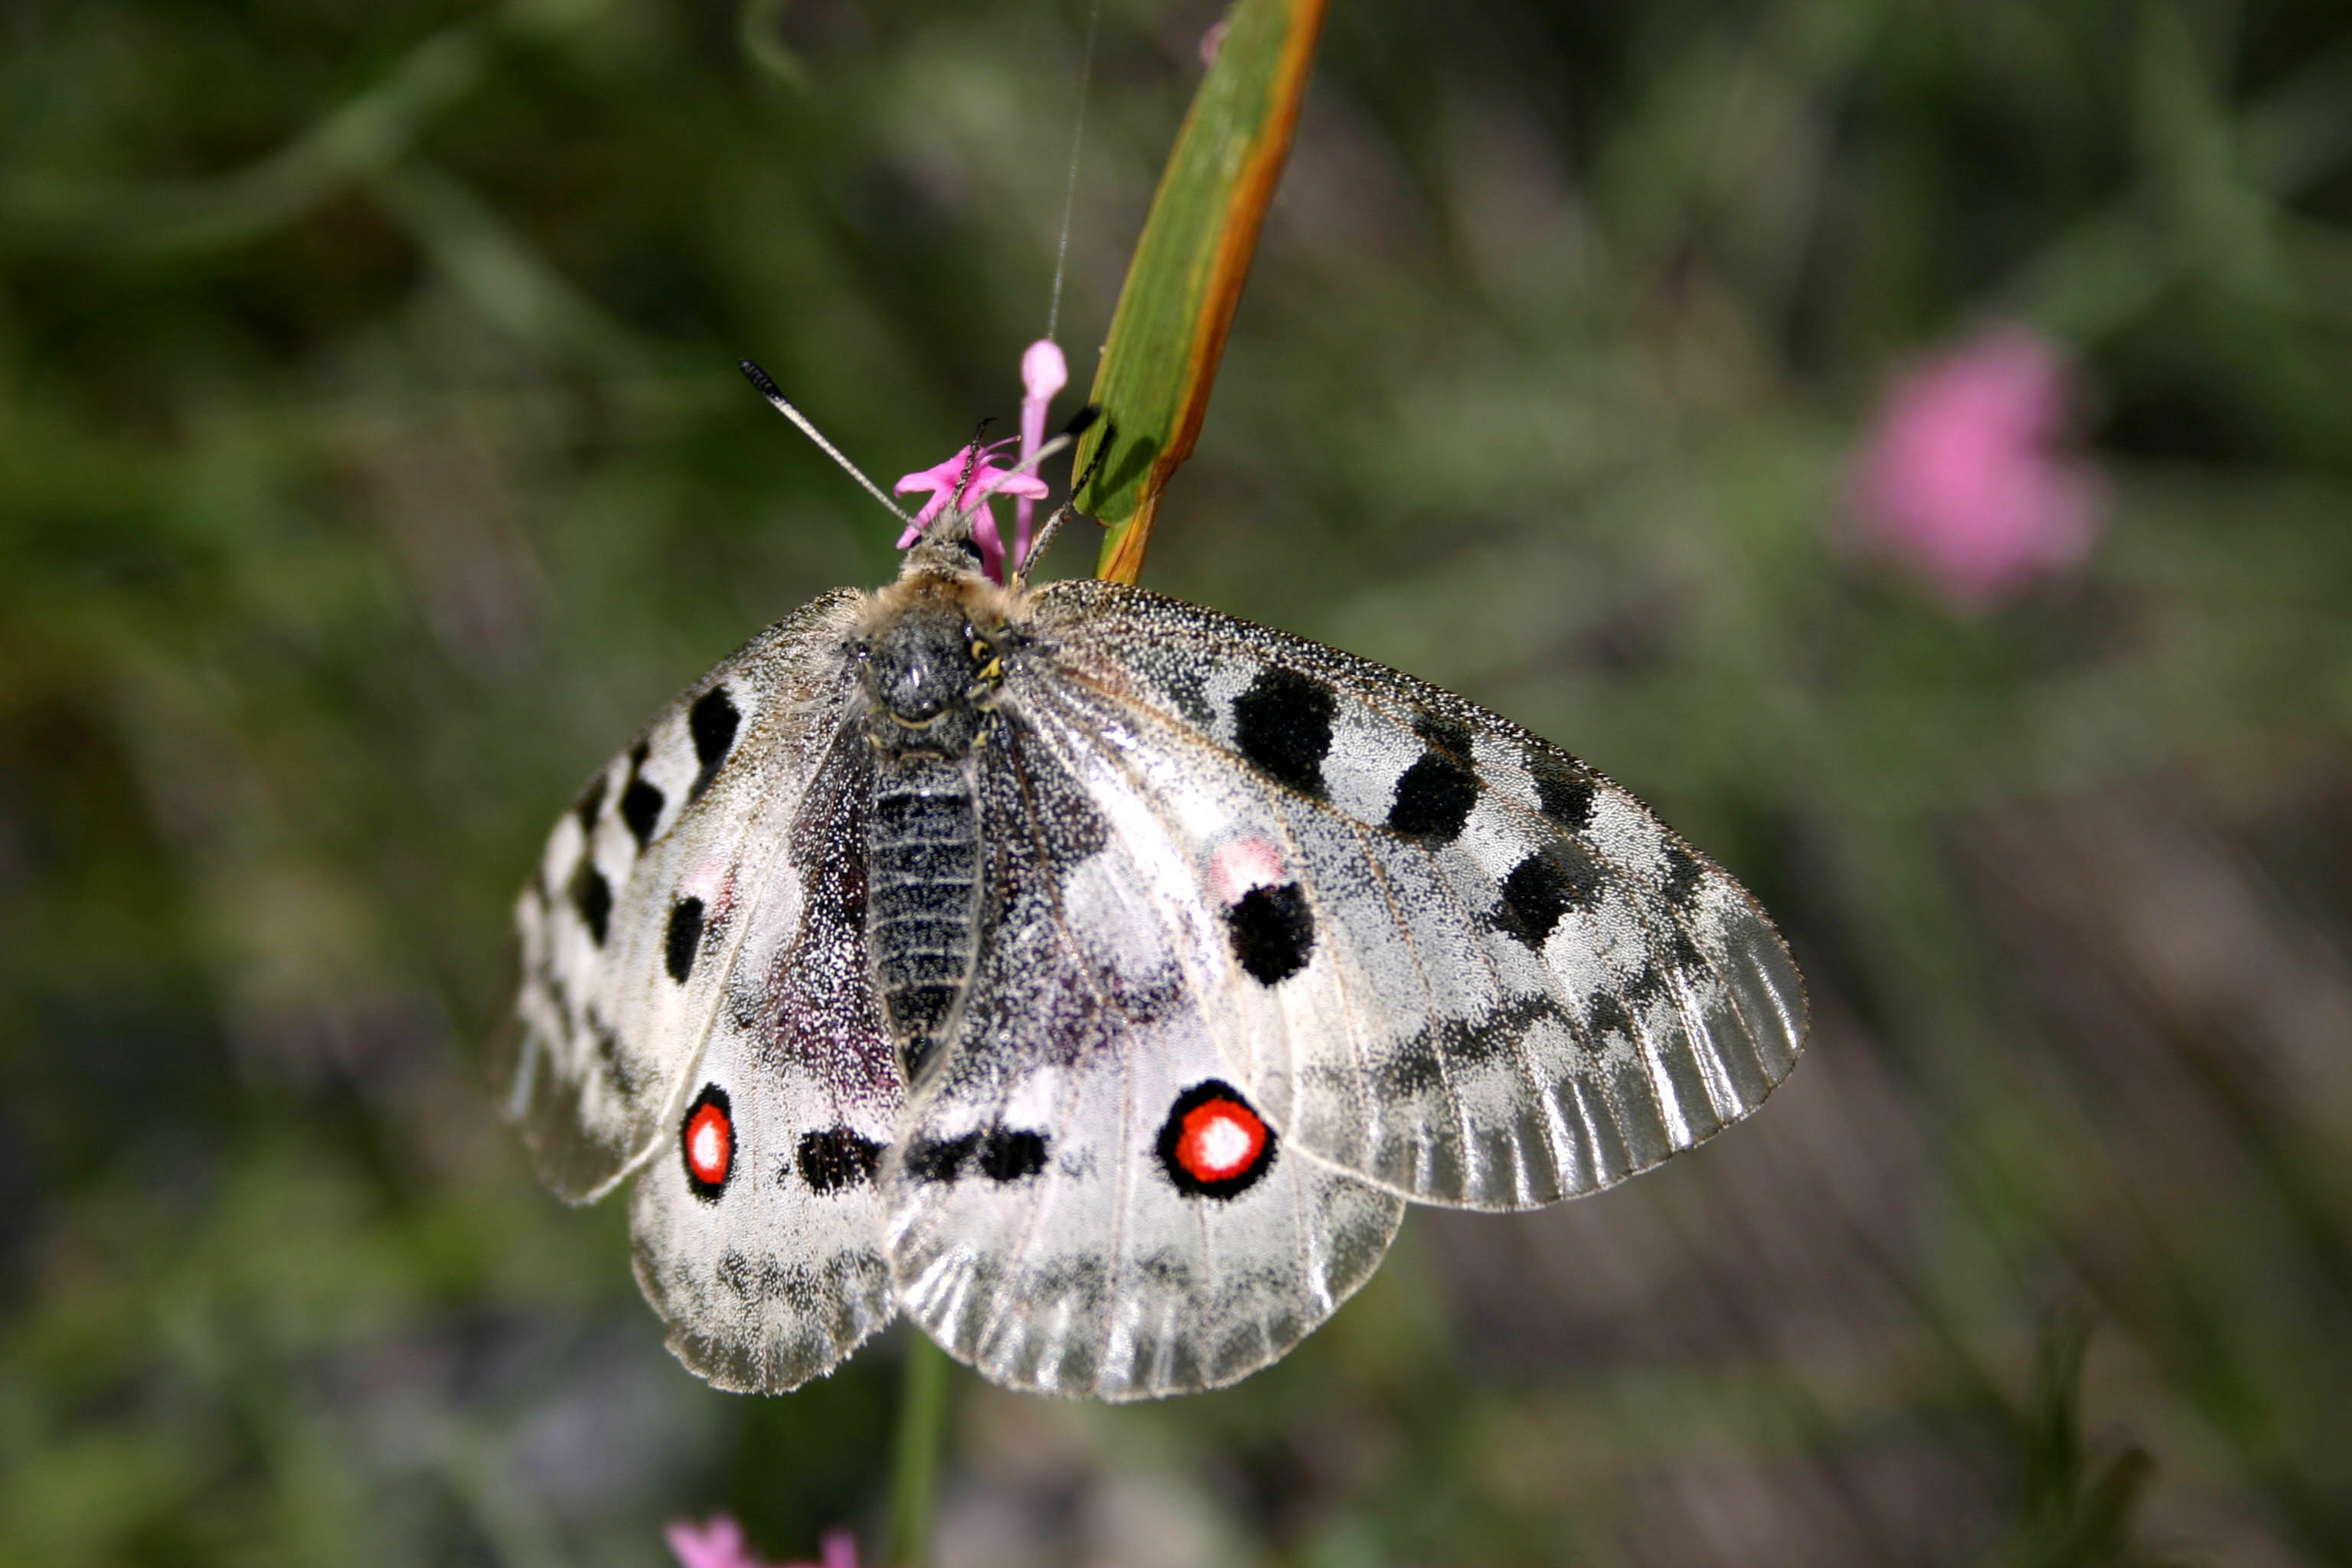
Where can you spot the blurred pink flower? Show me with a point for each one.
(1962, 479)
(718, 1544)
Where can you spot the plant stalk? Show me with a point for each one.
(915, 1467)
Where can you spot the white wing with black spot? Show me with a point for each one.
(1431, 948)
(1082, 1202)
(758, 1230)
(645, 889)
(1209, 947)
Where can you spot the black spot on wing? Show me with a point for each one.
(1000, 1154)
(1273, 931)
(837, 1157)
(685, 937)
(1539, 889)
(1283, 724)
(592, 897)
(1008, 1155)
(1433, 798)
(1564, 791)
(939, 1159)
(641, 805)
(592, 804)
(712, 721)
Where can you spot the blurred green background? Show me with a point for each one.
(372, 463)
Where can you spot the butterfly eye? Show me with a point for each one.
(861, 650)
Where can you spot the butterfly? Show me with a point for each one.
(1095, 978)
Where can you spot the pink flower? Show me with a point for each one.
(1961, 480)
(1044, 373)
(720, 1544)
(980, 479)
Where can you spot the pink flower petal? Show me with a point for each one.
(991, 543)
(1044, 373)
(718, 1543)
(1960, 478)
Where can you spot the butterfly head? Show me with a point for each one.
(930, 655)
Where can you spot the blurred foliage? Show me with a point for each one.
(371, 461)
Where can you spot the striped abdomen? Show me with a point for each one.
(922, 895)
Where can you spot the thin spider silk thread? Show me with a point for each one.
(1070, 187)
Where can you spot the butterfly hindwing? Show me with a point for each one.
(1082, 1203)
(757, 1224)
(641, 898)
(1436, 950)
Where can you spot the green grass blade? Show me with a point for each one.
(1181, 288)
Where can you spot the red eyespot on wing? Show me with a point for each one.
(708, 1142)
(1213, 1144)
(1220, 1140)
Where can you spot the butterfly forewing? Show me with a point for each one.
(1437, 950)
(640, 899)
(1082, 1202)
(758, 1230)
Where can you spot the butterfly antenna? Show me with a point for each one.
(767, 386)
(1078, 426)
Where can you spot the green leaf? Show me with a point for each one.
(1181, 288)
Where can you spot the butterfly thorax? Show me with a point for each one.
(929, 655)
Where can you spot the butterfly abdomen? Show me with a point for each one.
(922, 894)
